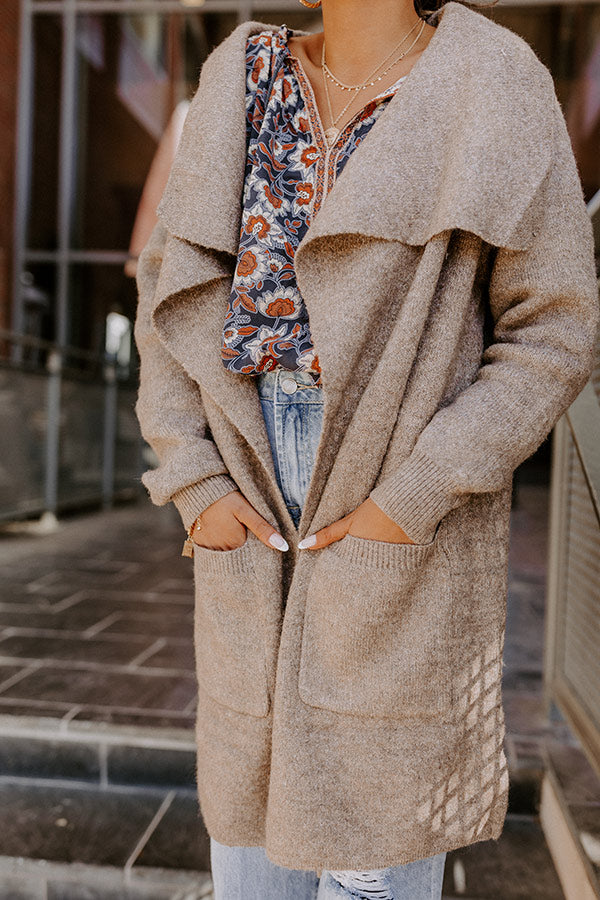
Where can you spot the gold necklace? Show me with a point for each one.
(332, 132)
(353, 87)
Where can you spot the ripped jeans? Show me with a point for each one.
(293, 412)
(246, 873)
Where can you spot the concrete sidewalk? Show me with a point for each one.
(96, 621)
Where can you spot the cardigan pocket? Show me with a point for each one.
(378, 628)
(228, 634)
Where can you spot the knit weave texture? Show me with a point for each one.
(349, 698)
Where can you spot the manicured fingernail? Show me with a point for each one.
(307, 542)
(277, 541)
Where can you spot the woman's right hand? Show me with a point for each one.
(223, 525)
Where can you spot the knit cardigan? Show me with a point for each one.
(349, 698)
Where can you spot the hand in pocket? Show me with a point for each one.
(366, 521)
(223, 525)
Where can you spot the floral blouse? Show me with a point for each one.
(289, 171)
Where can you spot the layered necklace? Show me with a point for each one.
(333, 131)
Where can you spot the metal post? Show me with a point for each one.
(66, 168)
(23, 157)
(110, 435)
(53, 391)
(65, 201)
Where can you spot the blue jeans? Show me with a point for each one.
(293, 423)
(293, 412)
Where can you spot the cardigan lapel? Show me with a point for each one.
(438, 158)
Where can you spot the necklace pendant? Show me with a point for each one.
(330, 135)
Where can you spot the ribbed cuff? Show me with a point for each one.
(193, 500)
(416, 497)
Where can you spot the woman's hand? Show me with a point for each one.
(223, 525)
(366, 521)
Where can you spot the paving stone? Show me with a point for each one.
(102, 650)
(37, 709)
(17, 598)
(9, 671)
(153, 579)
(516, 867)
(587, 822)
(180, 841)
(108, 603)
(173, 655)
(579, 782)
(73, 824)
(96, 687)
(170, 625)
(75, 618)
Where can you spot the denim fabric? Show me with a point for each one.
(293, 423)
(246, 873)
(294, 427)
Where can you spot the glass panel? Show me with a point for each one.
(96, 292)
(42, 227)
(128, 445)
(38, 295)
(123, 106)
(81, 440)
(22, 441)
(131, 76)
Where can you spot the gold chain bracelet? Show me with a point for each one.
(188, 544)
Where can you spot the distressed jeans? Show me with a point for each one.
(293, 412)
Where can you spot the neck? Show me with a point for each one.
(359, 34)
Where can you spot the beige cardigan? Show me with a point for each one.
(349, 698)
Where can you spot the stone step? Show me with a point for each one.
(97, 754)
(59, 841)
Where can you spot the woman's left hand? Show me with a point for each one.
(366, 521)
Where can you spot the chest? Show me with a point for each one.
(330, 101)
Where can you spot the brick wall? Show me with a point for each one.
(9, 46)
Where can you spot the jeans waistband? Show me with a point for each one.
(291, 385)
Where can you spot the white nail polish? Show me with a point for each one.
(277, 541)
(307, 542)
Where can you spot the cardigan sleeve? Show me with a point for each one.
(544, 305)
(169, 408)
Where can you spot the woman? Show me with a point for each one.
(369, 297)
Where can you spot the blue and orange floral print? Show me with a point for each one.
(289, 171)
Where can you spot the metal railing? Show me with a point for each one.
(70, 436)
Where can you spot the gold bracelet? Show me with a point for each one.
(188, 544)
